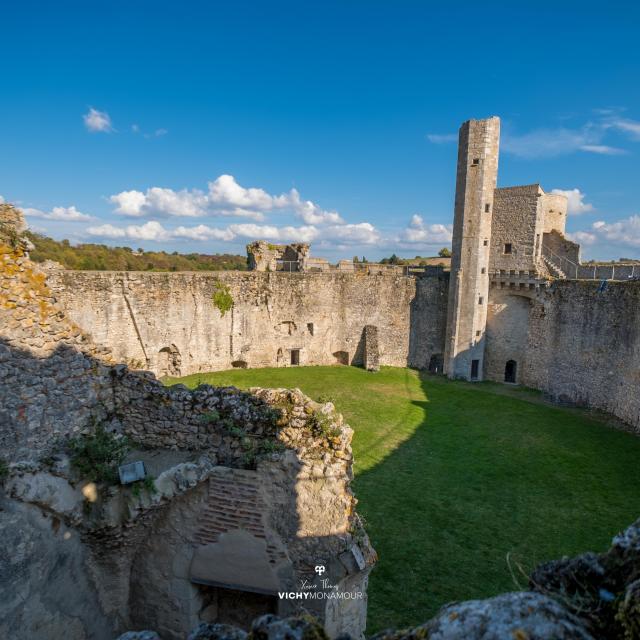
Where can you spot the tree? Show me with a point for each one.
(444, 252)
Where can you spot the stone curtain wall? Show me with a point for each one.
(574, 342)
(169, 323)
(584, 346)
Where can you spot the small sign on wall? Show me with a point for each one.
(131, 472)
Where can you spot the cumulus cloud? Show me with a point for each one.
(621, 232)
(224, 197)
(96, 121)
(420, 233)
(349, 234)
(62, 214)
(575, 201)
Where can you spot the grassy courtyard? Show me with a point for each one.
(454, 479)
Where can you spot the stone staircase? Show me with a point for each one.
(554, 269)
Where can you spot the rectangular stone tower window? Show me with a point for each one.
(507, 247)
(295, 357)
(480, 300)
(476, 162)
(483, 270)
(478, 333)
(486, 243)
(487, 208)
(475, 366)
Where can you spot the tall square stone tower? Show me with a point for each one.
(476, 179)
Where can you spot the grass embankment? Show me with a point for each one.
(453, 477)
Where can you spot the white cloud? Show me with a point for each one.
(151, 230)
(202, 232)
(349, 234)
(419, 233)
(575, 200)
(95, 120)
(622, 232)
(311, 213)
(603, 149)
(625, 125)
(582, 237)
(541, 143)
(107, 231)
(63, 214)
(556, 141)
(225, 197)
(2, 200)
(442, 138)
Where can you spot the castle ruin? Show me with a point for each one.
(518, 306)
(252, 490)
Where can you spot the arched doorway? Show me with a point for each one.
(169, 361)
(510, 371)
(436, 363)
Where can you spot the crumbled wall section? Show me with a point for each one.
(53, 379)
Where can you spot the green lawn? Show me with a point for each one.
(454, 477)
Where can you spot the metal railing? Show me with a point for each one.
(621, 271)
(568, 267)
(288, 265)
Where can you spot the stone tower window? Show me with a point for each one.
(486, 243)
(483, 270)
(487, 208)
(480, 300)
(478, 333)
(508, 247)
(476, 162)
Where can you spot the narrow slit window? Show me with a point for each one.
(480, 300)
(487, 208)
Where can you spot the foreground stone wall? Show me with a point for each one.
(169, 323)
(75, 548)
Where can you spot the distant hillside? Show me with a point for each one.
(99, 257)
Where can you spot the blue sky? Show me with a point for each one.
(199, 126)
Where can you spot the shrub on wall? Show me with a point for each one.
(97, 455)
(222, 298)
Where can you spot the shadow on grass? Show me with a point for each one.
(483, 476)
(451, 477)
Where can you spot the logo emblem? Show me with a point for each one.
(320, 569)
